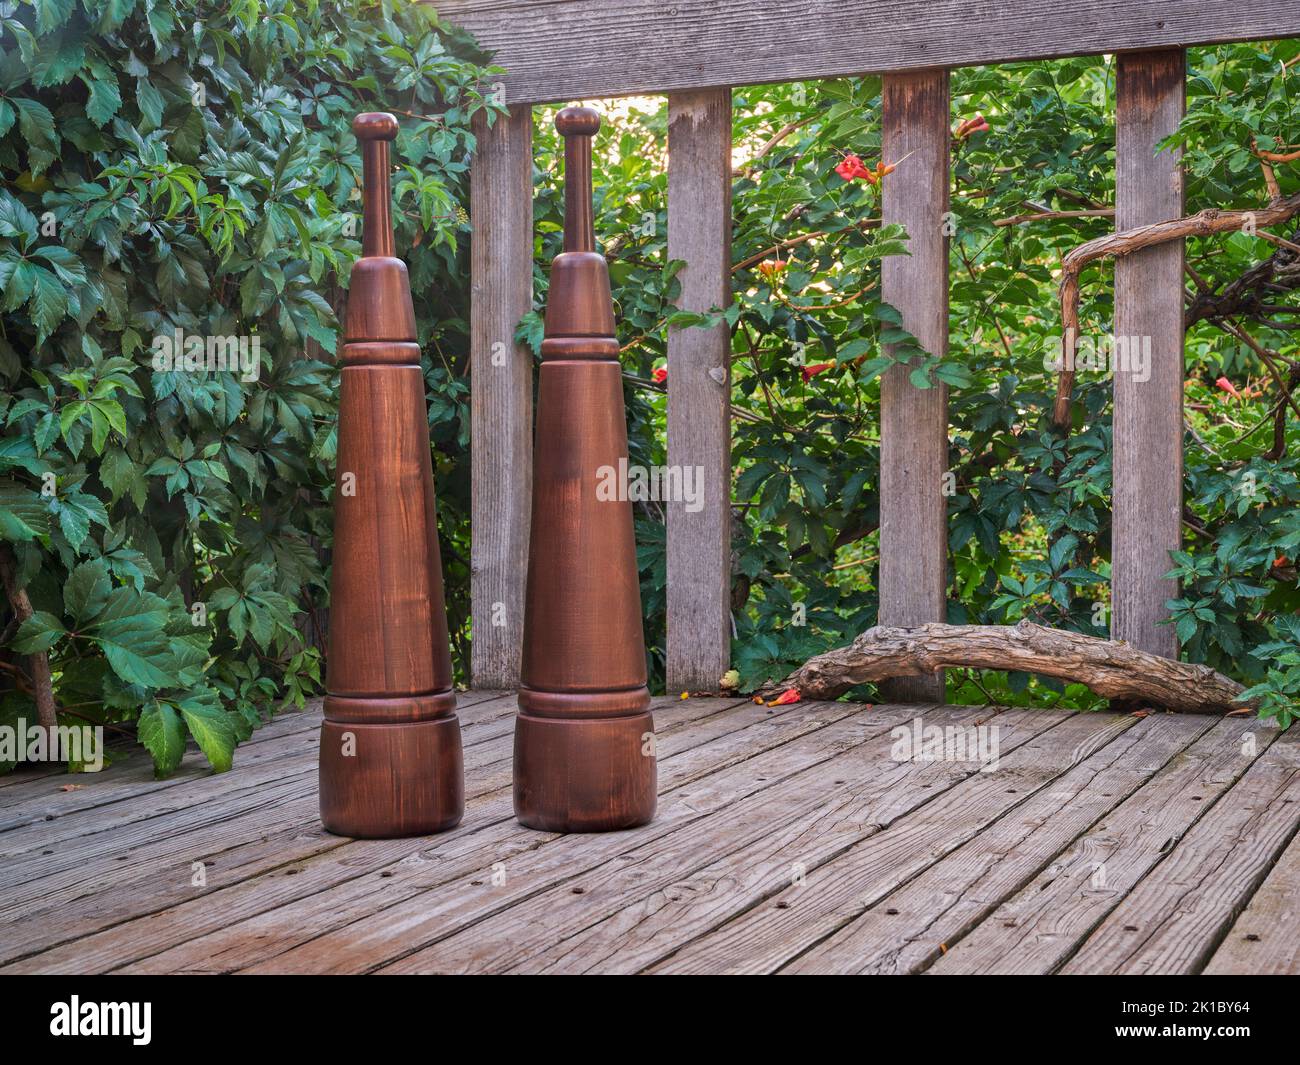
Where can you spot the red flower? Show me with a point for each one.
(1228, 387)
(772, 267)
(978, 124)
(809, 372)
(789, 696)
(851, 167)
(660, 374)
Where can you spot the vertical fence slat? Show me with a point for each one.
(699, 390)
(501, 393)
(914, 421)
(1148, 416)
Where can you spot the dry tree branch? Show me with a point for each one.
(1115, 245)
(772, 142)
(1110, 668)
(1050, 216)
(42, 683)
(803, 238)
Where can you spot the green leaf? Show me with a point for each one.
(38, 633)
(58, 59)
(212, 730)
(36, 125)
(51, 14)
(105, 99)
(87, 589)
(150, 102)
(23, 514)
(162, 732)
(49, 303)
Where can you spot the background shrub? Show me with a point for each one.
(182, 165)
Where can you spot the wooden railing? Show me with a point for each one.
(562, 50)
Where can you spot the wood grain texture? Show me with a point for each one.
(115, 912)
(1170, 923)
(501, 392)
(913, 573)
(1148, 420)
(584, 742)
(746, 791)
(790, 861)
(332, 920)
(567, 49)
(1263, 940)
(1037, 930)
(1112, 669)
(775, 786)
(699, 391)
(906, 930)
(390, 752)
(934, 808)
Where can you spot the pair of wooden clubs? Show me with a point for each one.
(390, 750)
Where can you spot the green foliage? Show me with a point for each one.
(1029, 508)
(182, 168)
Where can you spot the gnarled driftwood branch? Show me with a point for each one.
(1114, 245)
(1110, 668)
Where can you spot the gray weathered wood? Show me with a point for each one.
(747, 790)
(796, 779)
(1037, 930)
(354, 929)
(1264, 939)
(914, 421)
(98, 932)
(566, 49)
(792, 860)
(1148, 438)
(907, 929)
(501, 393)
(792, 919)
(1171, 922)
(699, 391)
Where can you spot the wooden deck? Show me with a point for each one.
(788, 839)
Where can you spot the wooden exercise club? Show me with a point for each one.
(390, 751)
(584, 737)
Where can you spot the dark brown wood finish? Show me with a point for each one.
(390, 752)
(584, 738)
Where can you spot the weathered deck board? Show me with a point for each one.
(907, 929)
(1038, 929)
(1171, 923)
(894, 857)
(1264, 939)
(771, 934)
(158, 885)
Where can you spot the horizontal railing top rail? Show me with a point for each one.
(572, 49)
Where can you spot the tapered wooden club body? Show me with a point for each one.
(390, 752)
(584, 738)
